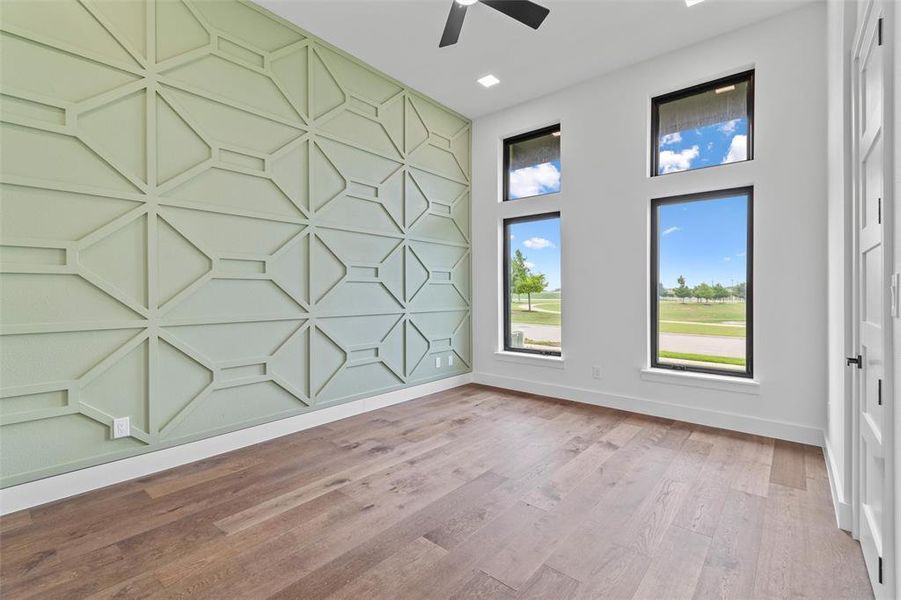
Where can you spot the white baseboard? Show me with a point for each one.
(45, 490)
(776, 429)
(842, 506)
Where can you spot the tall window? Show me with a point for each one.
(532, 164)
(706, 125)
(532, 290)
(701, 287)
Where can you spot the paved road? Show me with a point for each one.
(714, 345)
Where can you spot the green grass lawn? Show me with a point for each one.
(723, 360)
(533, 318)
(551, 305)
(712, 312)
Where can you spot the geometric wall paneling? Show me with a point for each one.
(57, 76)
(64, 159)
(373, 353)
(228, 125)
(443, 333)
(211, 219)
(442, 272)
(56, 214)
(436, 140)
(178, 31)
(248, 24)
(371, 194)
(438, 207)
(373, 270)
(179, 146)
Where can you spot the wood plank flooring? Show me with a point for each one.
(471, 493)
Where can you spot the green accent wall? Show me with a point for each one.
(210, 219)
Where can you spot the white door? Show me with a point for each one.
(873, 501)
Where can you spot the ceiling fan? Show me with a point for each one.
(527, 13)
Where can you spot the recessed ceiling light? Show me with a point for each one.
(467, 2)
(687, 2)
(488, 80)
(723, 90)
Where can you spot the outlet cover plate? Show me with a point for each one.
(121, 427)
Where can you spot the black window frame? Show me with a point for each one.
(744, 76)
(524, 137)
(747, 191)
(506, 291)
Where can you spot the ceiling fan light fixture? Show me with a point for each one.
(467, 2)
(488, 80)
(687, 2)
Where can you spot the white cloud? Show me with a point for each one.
(740, 254)
(538, 243)
(670, 161)
(531, 181)
(710, 145)
(671, 138)
(738, 149)
(727, 258)
(528, 264)
(670, 230)
(729, 126)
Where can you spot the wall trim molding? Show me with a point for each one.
(57, 487)
(782, 430)
(843, 512)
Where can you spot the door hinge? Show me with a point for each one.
(855, 360)
(879, 212)
(880, 569)
(879, 32)
(879, 392)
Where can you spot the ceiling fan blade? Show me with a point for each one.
(454, 24)
(527, 13)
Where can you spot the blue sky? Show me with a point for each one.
(712, 145)
(705, 241)
(539, 241)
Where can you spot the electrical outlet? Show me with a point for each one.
(121, 427)
(596, 372)
(437, 362)
(450, 360)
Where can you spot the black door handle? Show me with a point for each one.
(855, 360)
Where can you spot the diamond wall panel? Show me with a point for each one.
(210, 219)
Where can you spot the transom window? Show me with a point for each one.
(532, 164)
(703, 126)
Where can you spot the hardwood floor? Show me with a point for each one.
(471, 493)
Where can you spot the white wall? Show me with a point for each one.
(841, 19)
(605, 215)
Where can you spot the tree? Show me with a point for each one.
(740, 290)
(518, 271)
(531, 284)
(661, 290)
(682, 291)
(702, 291)
(719, 292)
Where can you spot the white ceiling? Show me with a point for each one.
(578, 40)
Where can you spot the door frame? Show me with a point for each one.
(874, 9)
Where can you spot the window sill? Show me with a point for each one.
(534, 360)
(702, 380)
